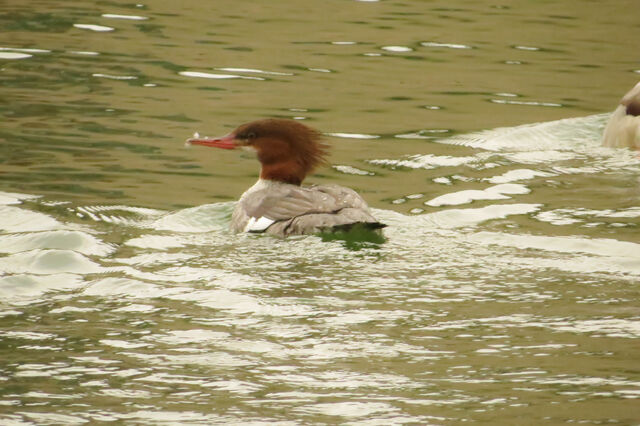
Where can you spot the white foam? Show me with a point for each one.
(115, 77)
(91, 27)
(397, 48)
(353, 135)
(14, 55)
(350, 170)
(598, 246)
(458, 218)
(498, 192)
(253, 70)
(126, 17)
(198, 74)
(518, 174)
(464, 197)
(447, 45)
(428, 161)
(13, 219)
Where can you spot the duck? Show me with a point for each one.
(278, 203)
(623, 128)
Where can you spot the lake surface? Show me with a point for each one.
(507, 291)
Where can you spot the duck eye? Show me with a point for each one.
(247, 136)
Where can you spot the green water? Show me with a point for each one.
(506, 291)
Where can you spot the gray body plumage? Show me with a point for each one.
(284, 209)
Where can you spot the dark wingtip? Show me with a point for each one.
(370, 226)
(633, 108)
(631, 101)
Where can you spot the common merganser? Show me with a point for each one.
(623, 128)
(277, 204)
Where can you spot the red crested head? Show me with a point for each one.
(287, 149)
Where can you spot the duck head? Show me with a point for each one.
(287, 150)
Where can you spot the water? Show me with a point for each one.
(506, 292)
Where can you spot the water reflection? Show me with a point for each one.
(505, 288)
(268, 324)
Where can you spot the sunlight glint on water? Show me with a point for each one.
(507, 286)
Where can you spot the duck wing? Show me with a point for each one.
(290, 209)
